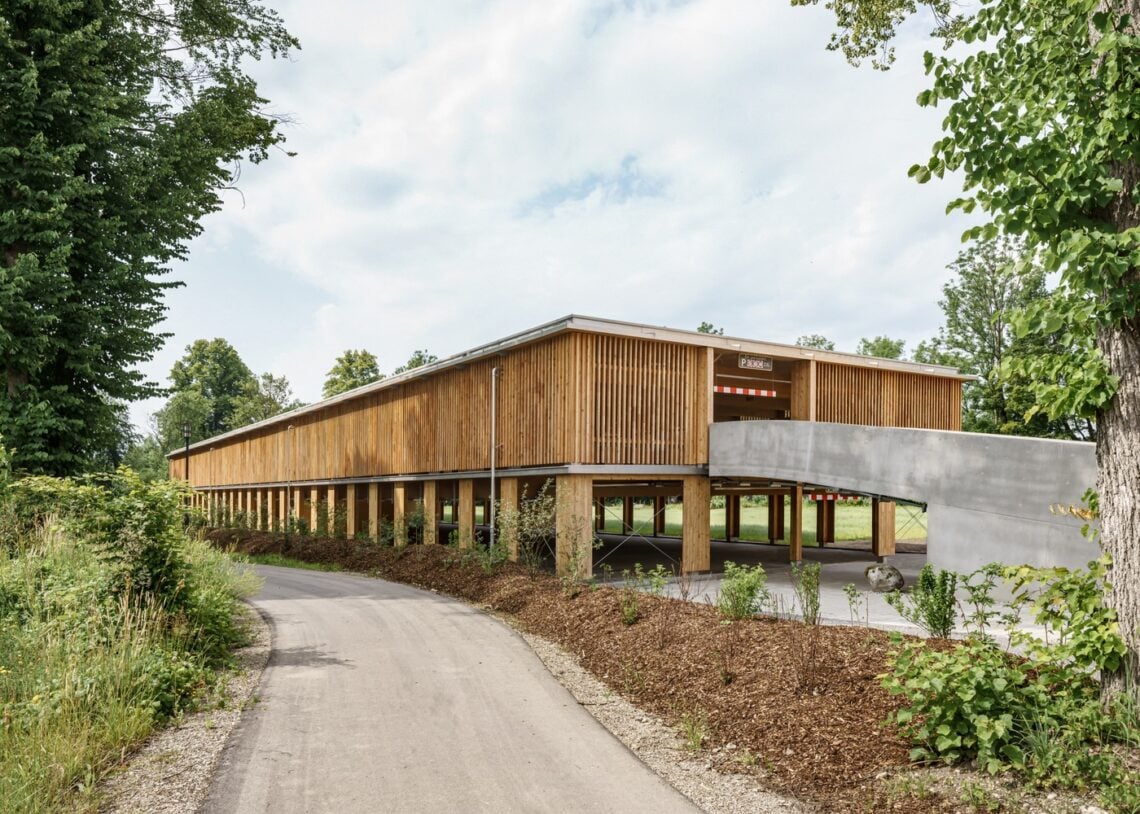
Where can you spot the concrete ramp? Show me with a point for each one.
(987, 496)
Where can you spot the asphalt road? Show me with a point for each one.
(383, 698)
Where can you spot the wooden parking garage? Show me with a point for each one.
(602, 408)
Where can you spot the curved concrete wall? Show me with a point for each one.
(987, 496)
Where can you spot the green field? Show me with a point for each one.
(852, 521)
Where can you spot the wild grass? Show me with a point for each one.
(289, 562)
(90, 664)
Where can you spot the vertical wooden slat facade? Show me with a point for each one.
(575, 397)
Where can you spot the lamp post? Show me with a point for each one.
(186, 435)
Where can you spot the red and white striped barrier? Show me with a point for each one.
(744, 391)
(831, 496)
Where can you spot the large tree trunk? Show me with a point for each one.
(1118, 482)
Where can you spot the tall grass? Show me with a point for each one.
(90, 663)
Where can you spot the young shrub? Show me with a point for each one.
(932, 604)
(805, 583)
(743, 592)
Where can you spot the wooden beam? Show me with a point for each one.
(627, 514)
(696, 545)
(829, 518)
(776, 529)
(466, 519)
(400, 514)
(314, 508)
(732, 517)
(658, 516)
(574, 534)
(258, 505)
(599, 514)
(796, 538)
(882, 527)
(330, 505)
(350, 511)
(282, 508)
(374, 511)
(508, 508)
(431, 513)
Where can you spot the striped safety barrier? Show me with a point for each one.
(744, 391)
(831, 496)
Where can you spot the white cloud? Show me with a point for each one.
(469, 170)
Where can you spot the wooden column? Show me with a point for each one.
(882, 527)
(732, 517)
(775, 517)
(282, 508)
(330, 509)
(350, 511)
(627, 514)
(250, 510)
(258, 508)
(466, 519)
(658, 516)
(270, 509)
(696, 547)
(574, 534)
(314, 506)
(400, 514)
(829, 519)
(431, 513)
(599, 514)
(821, 521)
(796, 537)
(374, 511)
(509, 506)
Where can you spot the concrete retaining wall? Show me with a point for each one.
(987, 496)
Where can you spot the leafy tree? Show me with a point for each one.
(993, 281)
(265, 397)
(1041, 121)
(816, 341)
(352, 369)
(881, 346)
(186, 407)
(214, 368)
(709, 328)
(419, 358)
(120, 123)
(147, 458)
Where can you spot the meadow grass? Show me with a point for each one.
(88, 666)
(289, 562)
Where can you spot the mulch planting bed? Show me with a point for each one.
(801, 705)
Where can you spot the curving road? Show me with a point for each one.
(383, 698)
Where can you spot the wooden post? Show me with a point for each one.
(829, 519)
(574, 534)
(431, 513)
(796, 538)
(658, 516)
(466, 519)
(775, 517)
(330, 509)
(696, 545)
(821, 521)
(400, 514)
(282, 508)
(882, 528)
(627, 514)
(508, 506)
(350, 511)
(270, 509)
(732, 517)
(599, 514)
(314, 506)
(374, 511)
(258, 505)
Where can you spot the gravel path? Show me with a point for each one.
(172, 773)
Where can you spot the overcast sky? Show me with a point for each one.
(466, 170)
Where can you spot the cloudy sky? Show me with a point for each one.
(472, 168)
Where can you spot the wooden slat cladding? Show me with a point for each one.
(887, 398)
(650, 401)
(440, 423)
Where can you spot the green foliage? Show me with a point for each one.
(352, 369)
(419, 358)
(709, 328)
(1038, 712)
(882, 347)
(531, 524)
(121, 124)
(815, 341)
(932, 603)
(637, 582)
(217, 373)
(110, 622)
(264, 397)
(805, 583)
(743, 591)
(866, 27)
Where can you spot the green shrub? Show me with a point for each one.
(743, 591)
(805, 582)
(932, 603)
